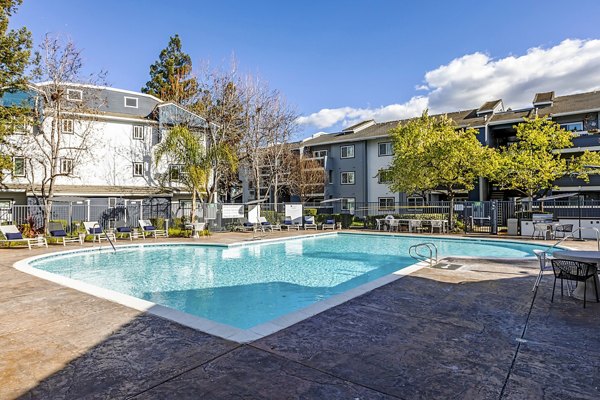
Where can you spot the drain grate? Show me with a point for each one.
(452, 267)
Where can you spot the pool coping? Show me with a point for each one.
(216, 328)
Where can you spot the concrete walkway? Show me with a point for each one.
(477, 332)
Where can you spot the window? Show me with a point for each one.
(348, 204)
(138, 169)
(138, 132)
(74, 95)
(347, 151)
(319, 153)
(131, 102)
(18, 166)
(385, 149)
(112, 202)
(67, 126)
(347, 178)
(66, 166)
(17, 126)
(384, 176)
(414, 203)
(174, 172)
(330, 176)
(572, 126)
(386, 203)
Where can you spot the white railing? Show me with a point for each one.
(431, 257)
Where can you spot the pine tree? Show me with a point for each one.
(15, 51)
(171, 76)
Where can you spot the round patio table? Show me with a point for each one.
(592, 257)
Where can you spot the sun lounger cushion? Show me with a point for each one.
(248, 224)
(14, 236)
(330, 221)
(95, 231)
(58, 233)
(149, 228)
(265, 223)
(123, 229)
(287, 222)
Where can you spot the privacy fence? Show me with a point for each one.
(470, 216)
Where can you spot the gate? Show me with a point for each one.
(480, 216)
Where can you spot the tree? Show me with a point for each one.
(188, 149)
(433, 153)
(15, 51)
(64, 131)
(171, 76)
(306, 176)
(532, 164)
(220, 103)
(269, 124)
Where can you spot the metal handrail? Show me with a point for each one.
(572, 235)
(432, 258)
(105, 234)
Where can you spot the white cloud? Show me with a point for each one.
(467, 82)
(328, 117)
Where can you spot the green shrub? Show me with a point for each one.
(179, 232)
(158, 223)
(310, 211)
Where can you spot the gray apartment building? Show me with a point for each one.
(357, 158)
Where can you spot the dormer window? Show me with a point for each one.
(74, 95)
(131, 102)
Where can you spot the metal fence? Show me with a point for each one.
(485, 216)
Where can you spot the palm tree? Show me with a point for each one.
(195, 158)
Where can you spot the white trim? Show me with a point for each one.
(116, 118)
(87, 85)
(125, 98)
(141, 165)
(577, 149)
(342, 151)
(576, 112)
(139, 130)
(75, 90)
(67, 121)
(348, 172)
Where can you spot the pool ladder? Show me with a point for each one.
(107, 237)
(572, 235)
(432, 252)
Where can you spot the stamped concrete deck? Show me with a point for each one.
(477, 332)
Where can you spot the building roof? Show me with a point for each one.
(543, 98)
(489, 107)
(561, 105)
(463, 119)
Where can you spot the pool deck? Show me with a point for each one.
(477, 332)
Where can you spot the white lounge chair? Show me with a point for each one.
(121, 228)
(267, 225)
(149, 229)
(57, 231)
(12, 235)
(95, 229)
(246, 226)
(415, 225)
(309, 222)
(289, 224)
(329, 224)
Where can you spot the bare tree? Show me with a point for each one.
(270, 124)
(306, 178)
(67, 114)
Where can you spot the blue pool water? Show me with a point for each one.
(247, 285)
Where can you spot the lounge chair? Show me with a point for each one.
(57, 231)
(126, 231)
(289, 224)
(329, 224)
(12, 235)
(309, 222)
(149, 229)
(267, 225)
(437, 224)
(95, 229)
(246, 226)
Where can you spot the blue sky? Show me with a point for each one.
(342, 61)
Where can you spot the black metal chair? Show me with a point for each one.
(577, 271)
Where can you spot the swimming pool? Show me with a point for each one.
(247, 285)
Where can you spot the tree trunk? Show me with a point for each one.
(194, 206)
(451, 211)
